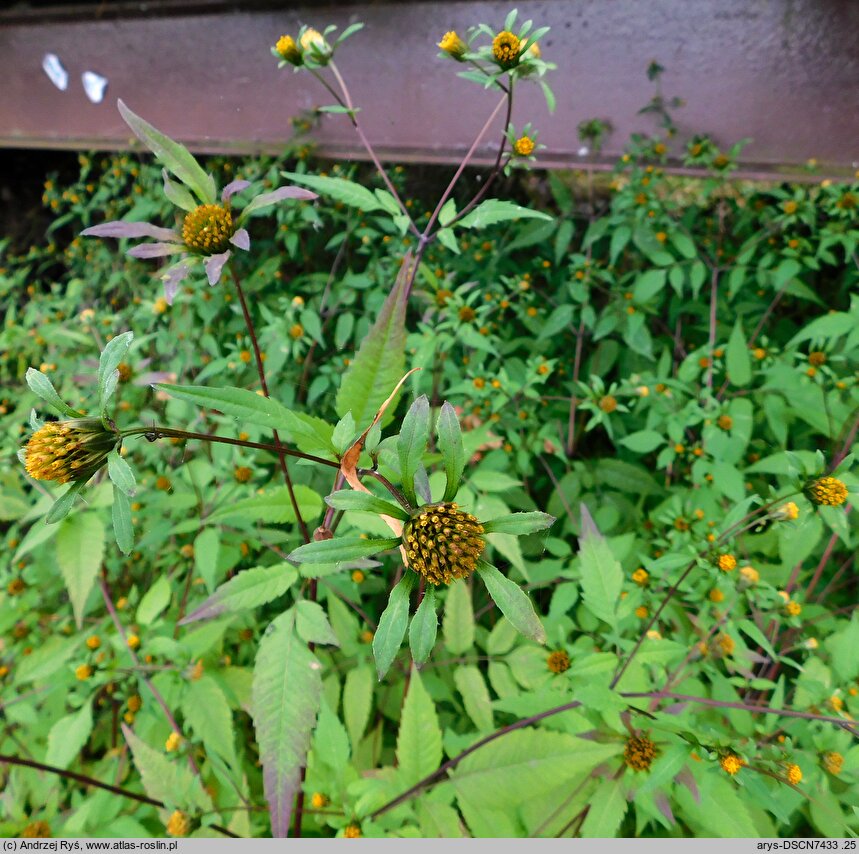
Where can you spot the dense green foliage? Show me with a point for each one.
(663, 364)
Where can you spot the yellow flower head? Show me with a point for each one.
(453, 45)
(442, 542)
(726, 562)
(207, 229)
(133, 642)
(318, 800)
(313, 43)
(505, 49)
(817, 358)
(353, 831)
(607, 403)
(793, 773)
(287, 49)
(523, 146)
(731, 763)
(174, 740)
(716, 595)
(135, 703)
(787, 511)
(828, 491)
(832, 762)
(66, 451)
(725, 422)
(749, 576)
(640, 576)
(639, 753)
(243, 474)
(83, 672)
(179, 824)
(721, 646)
(558, 661)
(792, 609)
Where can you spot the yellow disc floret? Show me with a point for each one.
(69, 450)
(207, 229)
(442, 542)
(829, 491)
(179, 824)
(558, 661)
(37, 830)
(505, 49)
(731, 763)
(832, 762)
(287, 49)
(726, 562)
(794, 774)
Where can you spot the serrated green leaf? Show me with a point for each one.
(123, 529)
(357, 701)
(472, 688)
(339, 190)
(419, 738)
(207, 711)
(348, 499)
(112, 354)
(458, 621)
(68, 736)
(80, 551)
(312, 624)
(248, 589)
(380, 361)
(607, 809)
(738, 363)
(330, 740)
(287, 691)
(452, 449)
(273, 506)
(120, 473)
(602, 576)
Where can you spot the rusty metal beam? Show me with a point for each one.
(784, 73)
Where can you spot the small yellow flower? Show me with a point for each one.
(318, 800)
(442, 542)
(453, 45)
(83, 672)
(133, 642)
(135, 703)
(15, 586)
(642, 391)
(716, 595)
(607, 403)
(731, 763)
(788, 511)
(835, 703)
(358, 576)
(640, 576)
(792, 609)
(558, 661)
(366, 636)
(524, 146)
(652, 634)
(817, 358)
(163, 483)
(505, 49)
(828, 491)
(832, 762)
(639, 753)
(467, 314)
(726, 562)
(749, 576)
(179, 824)
(353, 831)
(174, 740)
(243, 474)
(296, 331)
(187, 551)
(725, 422)
(789, 207)
(722, 645)
(794, 774)
(641, 612)
(287, 49)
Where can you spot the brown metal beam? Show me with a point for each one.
(784, 73)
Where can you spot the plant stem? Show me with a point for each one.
(98, 784)
(114, 616)
(261, 371)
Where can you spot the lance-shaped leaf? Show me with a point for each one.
(80, 549)
(424, 628)
(451, 447)
(392, 625)
(519, 524)
(513, 602)
(340, 549)
(493, 211)
(249, 589)
(287, 689)
(120, 473)
(412, 443)
(419, 750)
(347, 499)
(108, 363)
(266, 200)
(41, 386)
(123, 529)
(602, 576)
(61, 507)
(340, 190)
(380, 361)
(173, 155)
